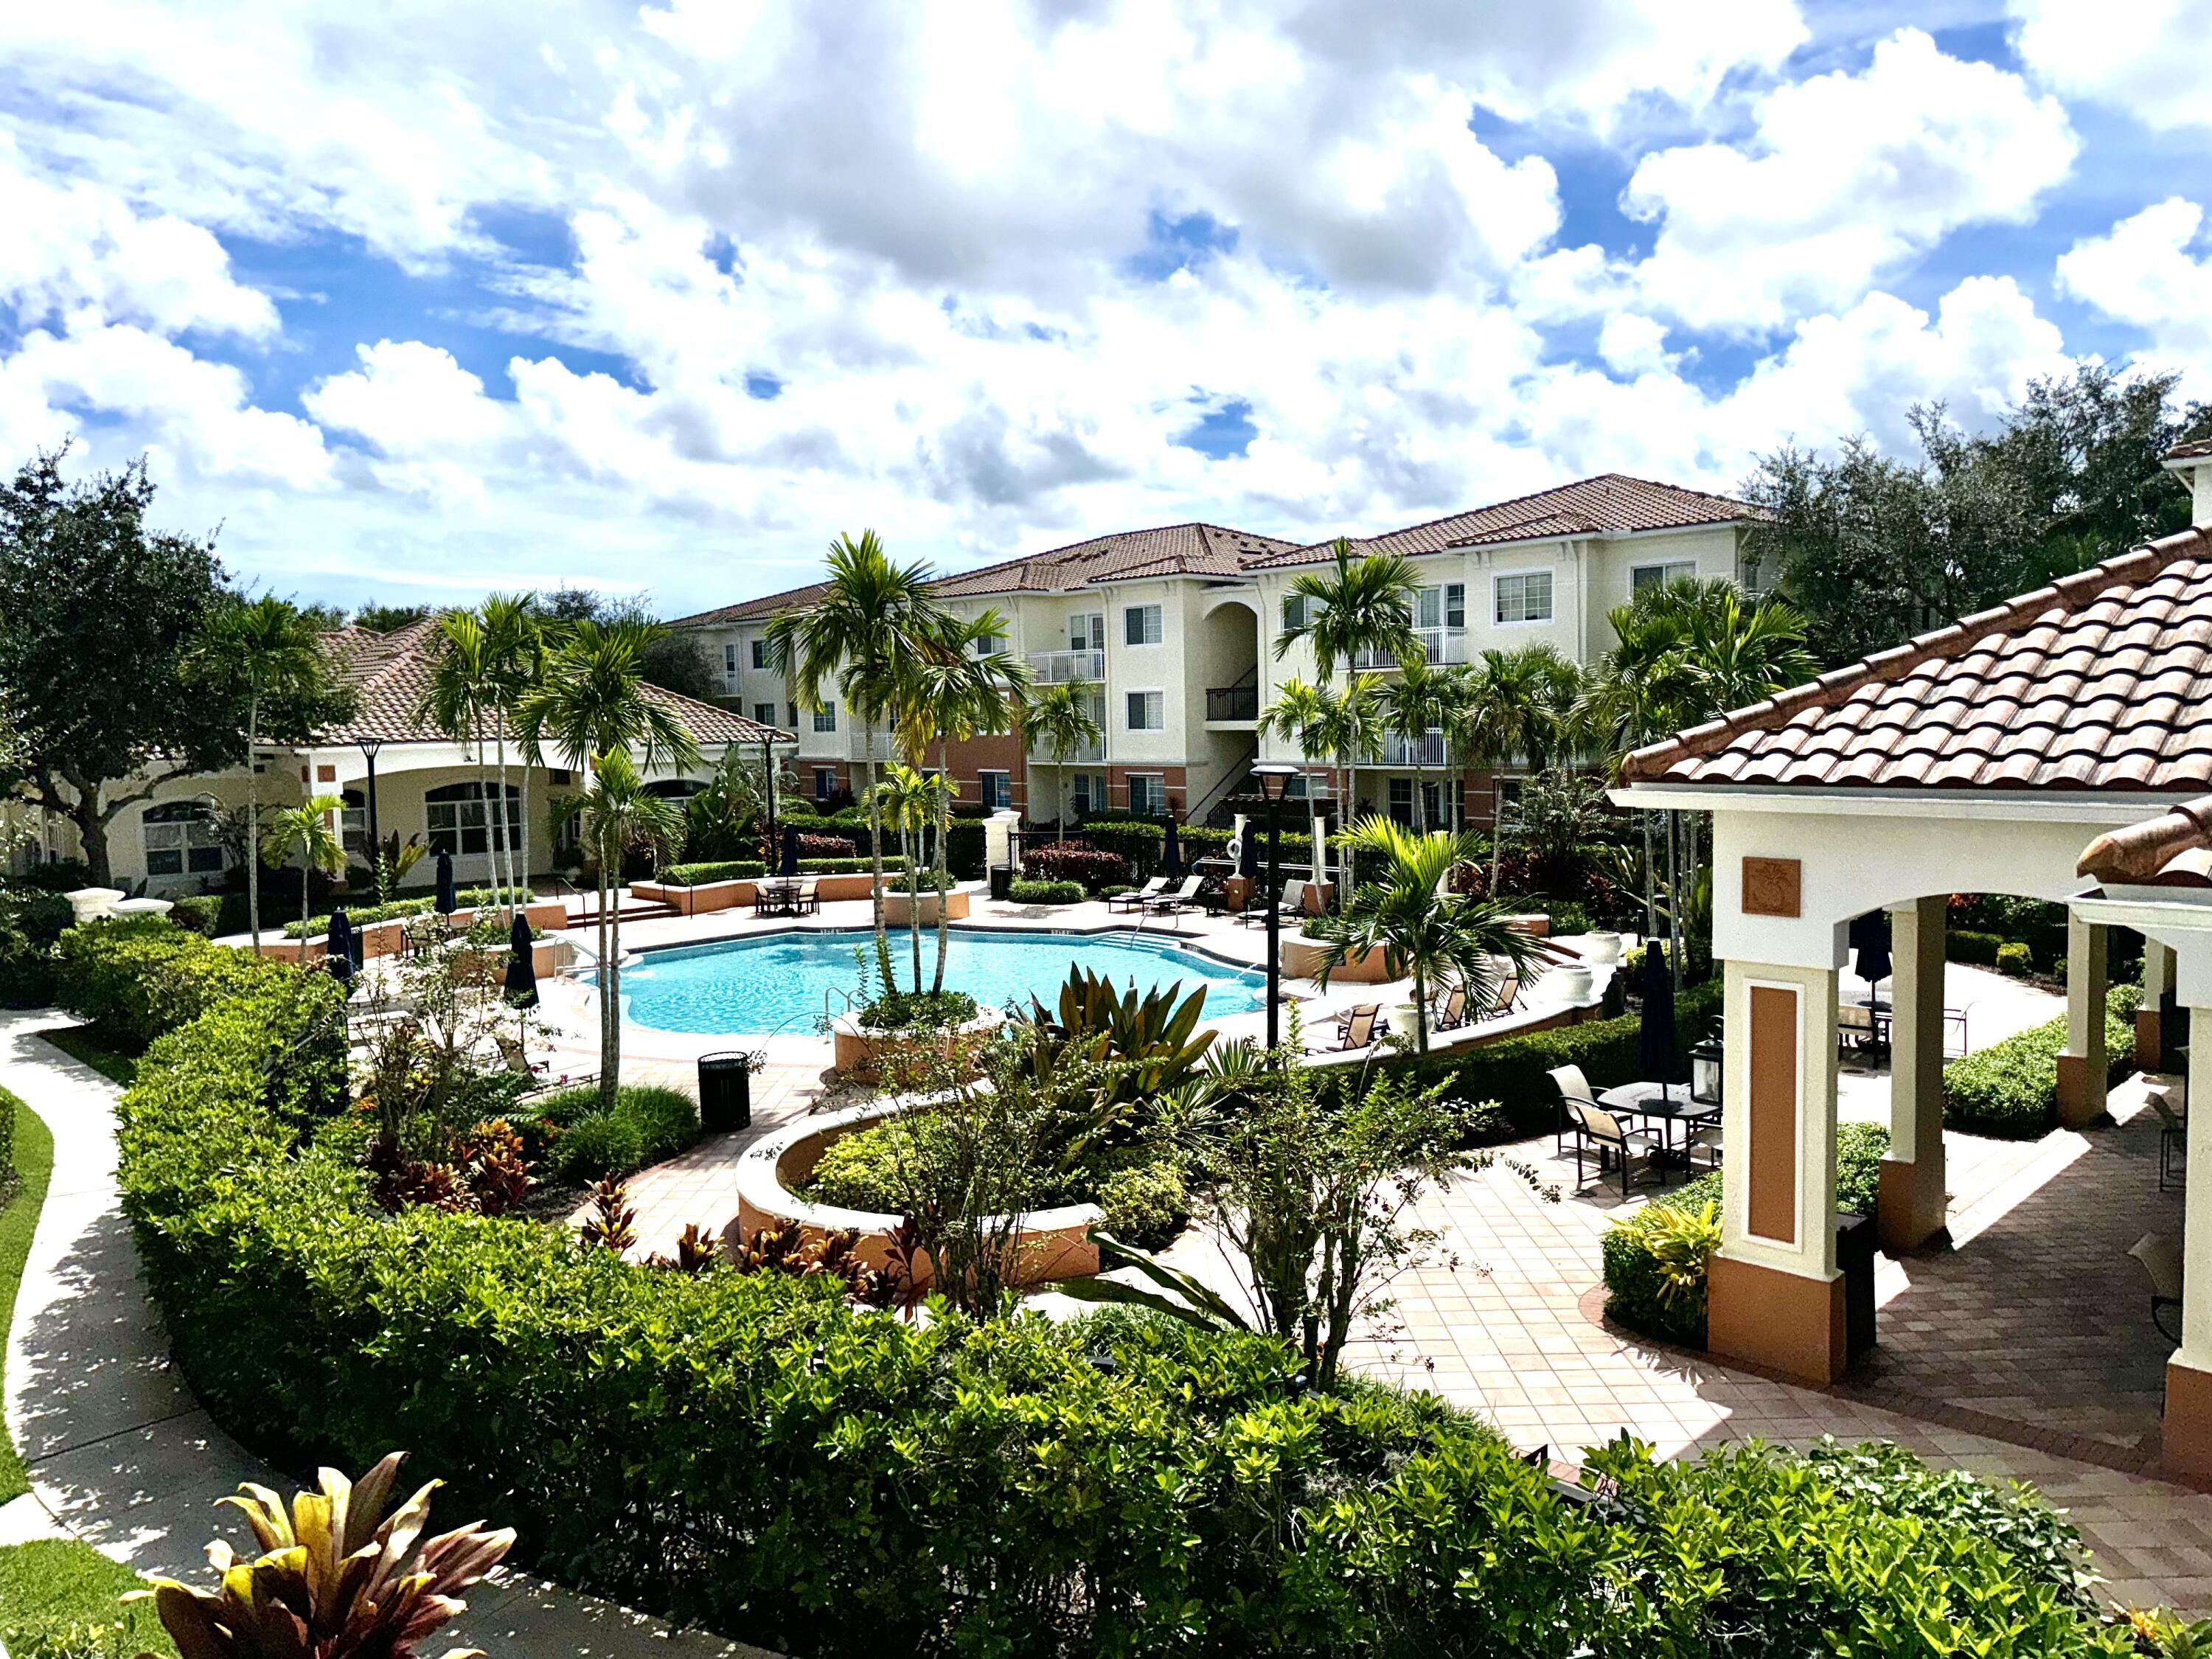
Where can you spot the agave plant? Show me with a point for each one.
(337, 1578)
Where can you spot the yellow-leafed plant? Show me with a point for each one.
(335, 1579)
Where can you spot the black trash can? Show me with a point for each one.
(1002, 882)
(726, 1092)
(1854, 1247)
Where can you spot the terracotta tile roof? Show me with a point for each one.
(2099, 681)
(2170, 850)
(1610, 504)
(2189, 451)
(768, 605)
(1175, 549)
(389, 673)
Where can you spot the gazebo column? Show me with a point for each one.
(2188, 1422)
(1913, 1174)
(1774, 1298)
(2150, 1019)
(2081, 1067)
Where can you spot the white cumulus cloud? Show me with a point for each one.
(2143, 271)
(2145, 56)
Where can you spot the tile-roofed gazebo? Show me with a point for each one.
(2102, 681)
(1611, 503)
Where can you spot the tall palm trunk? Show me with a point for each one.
(303, 909)
(1496, 826)
(610, 976)
(505, 838)
(253, 814)
(913, 898)
(942, 863)
(523, 826)
(876, 859)
(1421, 1008)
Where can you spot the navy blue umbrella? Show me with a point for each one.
(1170, 852)
(522, 967)
(790, 865)
(342, 942)
(1870, 947)
(448, 901)
(1655, 1035)
(1248, 865)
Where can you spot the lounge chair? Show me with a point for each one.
(1597, 1130)
(1508, 993)
(1184, 898)
(2161, 1264)
(517, 1057)
(1291, 904)
(1448, 1013)
(1137, 900)
(1360, 1028)
(1573, 1086)
(2173, 1137)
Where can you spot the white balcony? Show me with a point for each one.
(1092, 752)
(1062, 667)
(1445, 647)
(1398, 751)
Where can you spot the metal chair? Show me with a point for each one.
(1602, 1131)
(2172, 1138)
(2161, 1264)
(1359, 1028)
(1572, 1085)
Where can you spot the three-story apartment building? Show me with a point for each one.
(1175, 628)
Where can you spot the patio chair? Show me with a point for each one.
(1508, 993)
(1450, 1012)
(1573, 1086)
(1705, 1138)
(2173, 1137)
(808, 899)
(2161, 1264)
(516, 1057)
(1183, 898)
(1137, 899)
(1360, 1028)
(1291, 905)
(1598, 1130)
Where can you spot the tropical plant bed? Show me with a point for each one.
(861, 1051)
(2010, 1089)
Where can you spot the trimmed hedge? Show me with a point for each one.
(705, 875)
(1633, 1280)
(750, 1451)
(1047, 892)
(133, 979)
(1978, 950)
(31, 920)
(2010, 1089)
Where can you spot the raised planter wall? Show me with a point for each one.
(1053, 1244)
(859, 1047)
(1301, 959)
(897, 907)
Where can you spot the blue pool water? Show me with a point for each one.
(756, 987)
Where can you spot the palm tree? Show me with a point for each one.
(463, 692)
(909, 799)
(591, 707)
(273, 647)
(1363, 604)
(1634, 696)
(1422, 930)
(1515, 706)
(515, 653)
(615, 815)
(1060, 718)
(305, 830)
(875, 620)
(960, 695)
(1418, 700)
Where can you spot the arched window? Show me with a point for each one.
(183, 838)
(458, 818)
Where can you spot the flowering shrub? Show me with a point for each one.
(1071, 860)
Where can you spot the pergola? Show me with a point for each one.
(1983, 757)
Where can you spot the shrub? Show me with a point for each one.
(1568, 916)
(1136, 842)
(2015, 959)
(705, 875)
(202, 913)
(1145, 1205)
(1980, 950)
(899, 1011)
(828, 846)
(1047, 892)
(603, 1145)
(1071, 862)
(1654, 1259)
(647, 1126)
(2010, 1089)
(31, 920)
(748, 1450)
(132, 980)
(362, 917)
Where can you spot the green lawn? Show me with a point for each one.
(62, 1600)
(76, 1041)
(58, 1598)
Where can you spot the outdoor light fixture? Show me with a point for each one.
(1274, 783)
(368, 747)
(1706, 1073)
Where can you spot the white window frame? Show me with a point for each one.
(1294, 611)
(1128, 724)
(461, 822)
(1661, 572)
(1086, 631)
(994, 788)
(1498, 599)
(826, 717)
(1154, 782)
(1092, 791)
(729, 656)
(760, 654)
(991, 645)
(824, 775)
(186, 831)
(1151, 619)
(353, 822)
(764, 712)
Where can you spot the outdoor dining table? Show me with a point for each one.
(777, 896)
(1665, 1105)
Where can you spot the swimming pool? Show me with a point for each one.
(759, 986)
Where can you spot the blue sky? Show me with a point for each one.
(661, 298)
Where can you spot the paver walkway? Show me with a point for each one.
(120, 1453)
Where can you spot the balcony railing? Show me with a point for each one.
(1232, 702)
(1439, 647)
(1399, 751)
(1042, 753)
(1060, 667)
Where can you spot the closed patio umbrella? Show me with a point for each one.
(1655, 1037)
(1870, 948)
(522, 966)
(342, 942)
(1170, 852)
(790, 865)
(447, 901)
(1247, 864)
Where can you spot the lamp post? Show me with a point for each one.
(1275, 783)
(368, 747)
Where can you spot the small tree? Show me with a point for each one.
(305, 832)
(1060, 718)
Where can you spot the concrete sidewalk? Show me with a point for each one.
(120, 1453)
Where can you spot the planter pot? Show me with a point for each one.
(1571, 981)
(900, 907)
(1600, 949)
(860, 1048)
(1302, 958)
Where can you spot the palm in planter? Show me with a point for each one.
(304, 832)
(1422, 930)
(911, 799)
